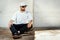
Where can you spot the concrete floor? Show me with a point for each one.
(5, 34)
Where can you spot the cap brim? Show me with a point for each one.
(23, 5)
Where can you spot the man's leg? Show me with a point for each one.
(13, 30)
(24, 28)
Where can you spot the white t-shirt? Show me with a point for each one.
(22, 17)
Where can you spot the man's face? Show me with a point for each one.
(22, 8)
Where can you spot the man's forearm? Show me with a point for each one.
(10, 23)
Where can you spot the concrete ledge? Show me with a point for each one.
(47, 35)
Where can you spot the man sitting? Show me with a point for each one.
(21, 21)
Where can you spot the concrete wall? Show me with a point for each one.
(9, 7)
(46, 13)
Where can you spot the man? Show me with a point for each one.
(21, 21)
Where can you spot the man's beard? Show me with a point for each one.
(22, 10)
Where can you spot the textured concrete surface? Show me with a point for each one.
(46, 13)
(40, 33)
(47, 35)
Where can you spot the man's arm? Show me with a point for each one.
(30, 24)
(12, 20)
(10, 23)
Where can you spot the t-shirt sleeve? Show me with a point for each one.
(30, 16)
(13, 17)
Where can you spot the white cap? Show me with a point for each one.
(23, 4)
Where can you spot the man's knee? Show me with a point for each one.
(11, 27)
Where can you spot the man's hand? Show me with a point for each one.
(29, 24)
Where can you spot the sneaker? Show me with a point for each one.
(16, 36)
